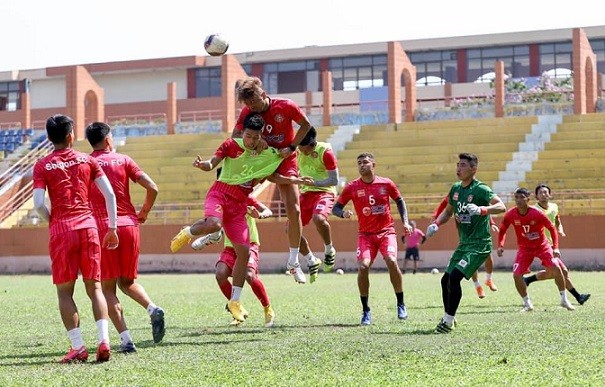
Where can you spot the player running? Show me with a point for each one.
(529, 224)
(119, 267)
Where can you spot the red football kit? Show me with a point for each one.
(372, 205)
(531, 239)
(74, 244)
(278, 131)
(124, 260)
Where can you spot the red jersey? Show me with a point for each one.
(441, 207)
(329, 160)
(253, 202)
(119, 169)
(372, 204)
(278, 131)
(529, 229)
(68, 176)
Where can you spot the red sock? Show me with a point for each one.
(225, 288)
(259, 290)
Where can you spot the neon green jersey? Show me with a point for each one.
(313, 165)
(551, 212)
(249, 165)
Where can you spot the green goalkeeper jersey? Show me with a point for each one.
(471, 229)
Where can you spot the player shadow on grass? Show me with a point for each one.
(48, 358)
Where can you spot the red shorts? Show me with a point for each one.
(228, 257)
(73, 251)
(369, 245)
(315, 202)
(289, 166)
(232, 214)
(524, 259)
(123, 261)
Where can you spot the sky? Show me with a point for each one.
(47, 33)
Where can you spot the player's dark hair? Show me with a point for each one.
(254, 121)
(310, 138)
(542, 186)
(364, 155)
(522, 191)
(471, 158)
(97, 132)
(58, 127)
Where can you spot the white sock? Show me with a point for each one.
(477, 284)
(75, 336)
(448, 319)
(329, 248)
(293, 258)
(526, 300)
(309, 257)
(125, 337)
(563, 296)
(103, 331)
(236, 293)
(151, 307)
(488, 276)
(188, 232)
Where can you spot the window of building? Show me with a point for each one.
(359, 72)
(208, 82)
(291, 77)
(10, 93)
(598, 47)
(435, 67)
(482, 61)
(557, 57)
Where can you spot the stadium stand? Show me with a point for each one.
(573, 166)
(420, 157)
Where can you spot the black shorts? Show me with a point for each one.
(412, 253)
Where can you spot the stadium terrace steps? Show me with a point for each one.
(421, 157)
(573, 160)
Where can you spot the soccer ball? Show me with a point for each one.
(435, 271)
(340, 272)
(216, 44)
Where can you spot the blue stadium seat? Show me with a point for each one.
(3, 133)
(20, 132)
(17, 140)
(11, 132)
(29, 132)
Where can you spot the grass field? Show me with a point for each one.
(317, 340)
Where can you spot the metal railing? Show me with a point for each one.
(15, 173)
(593, 203)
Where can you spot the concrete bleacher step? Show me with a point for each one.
(455, 149)
(584, 118)
(416, 133)
(468, 123)
(405, 142)
(557, 184)
(576, 144)
(565, 173)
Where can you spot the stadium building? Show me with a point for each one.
(351, 84)
(530, 104)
